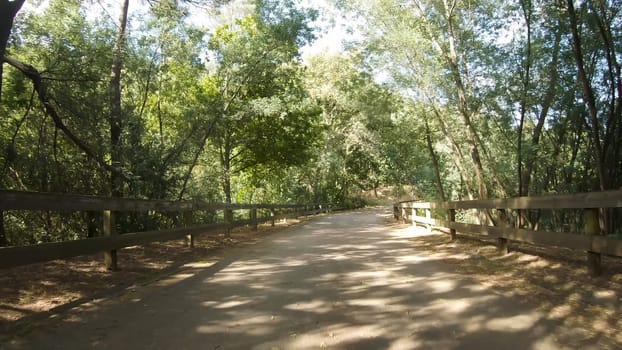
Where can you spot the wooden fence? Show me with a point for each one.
(590, 240)
(110, 241)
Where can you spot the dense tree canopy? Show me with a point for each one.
(213, 100)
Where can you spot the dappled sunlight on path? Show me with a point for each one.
(345, 281)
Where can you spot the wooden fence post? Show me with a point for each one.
(91, 224)
(502, 245)
(591, 226)
(502, 242)
(403, 214)
(228, 216)
(188, 222)
(254, 218)
(3, 239)
(451, 213)
(110, 230)
(428, 217)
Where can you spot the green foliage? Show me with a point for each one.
(358, 128)
(70, 53)
(264, 117)
(424, 100)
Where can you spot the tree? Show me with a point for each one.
(588, 96)
(527, 10)
(263, 117)
(427, 41)
(116, 112)
(67, 74)
(8, 11)
(359, 130)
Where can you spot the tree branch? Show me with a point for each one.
(8, 11)
(33, 74)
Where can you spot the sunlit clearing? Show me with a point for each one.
(336, 256)
(538, 263)
(560, 312)
(411, 259)
(455, 306)
(251, 265)
(405, 343)
(315, 306)
(173, 279)
(327, 277)
(231, 304)
(256, 325)
(458, 256)
(335, 335)
(369, 274)
(526, 258)
(514, 323)
(442, 286)
(199, 265)
(413, 231)
(374, 302)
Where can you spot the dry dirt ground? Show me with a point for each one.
(556, 280)
(35, 291)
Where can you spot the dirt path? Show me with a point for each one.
(346, 281)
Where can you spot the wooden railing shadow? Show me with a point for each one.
(594, 238)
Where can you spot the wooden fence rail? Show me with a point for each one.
(111, 241)
(590, 240)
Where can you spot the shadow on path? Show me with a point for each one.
(344, 281)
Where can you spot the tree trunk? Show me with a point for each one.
(91, 224)
(8, 11)
(116, 117)
(473, 139)
(612, 139)
(317, 180)
(524, 104)
(459, 159)
(546, 105)
(588, 96)
(615, 84)
(3, 240)
(50, 109)
(435, 165)
(225, 164)
(193, 164)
